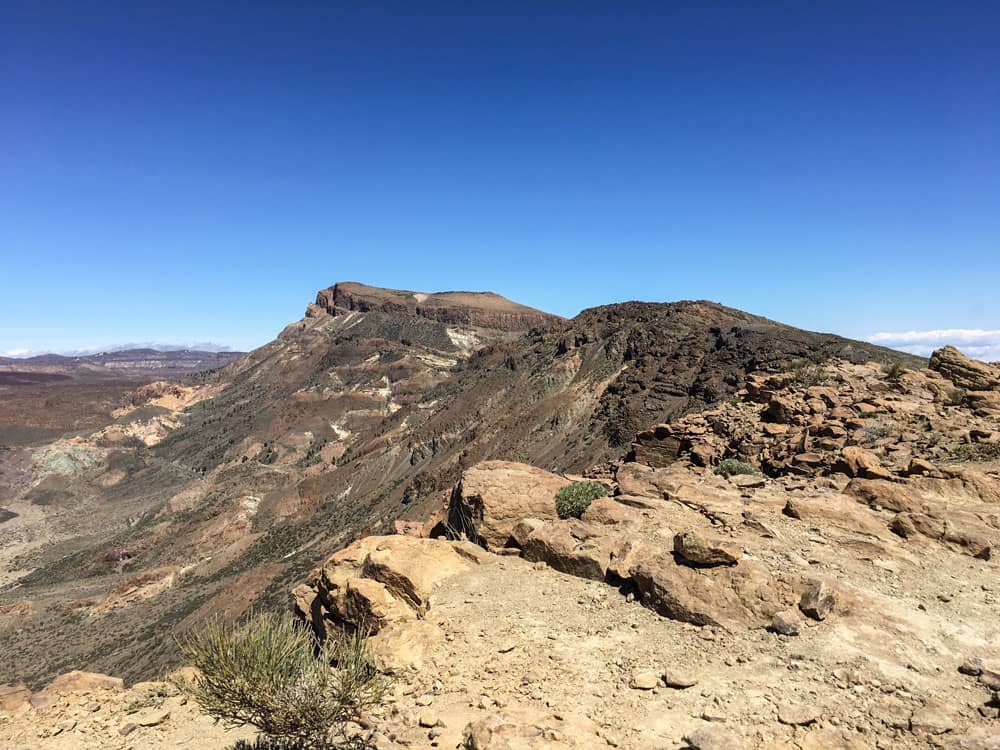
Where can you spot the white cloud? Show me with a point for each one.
(974, 342)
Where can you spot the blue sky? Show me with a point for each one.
(193, 171)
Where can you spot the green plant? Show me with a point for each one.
(573, 499)
(893, 370)
(977, 451)
(954, 396)
(807, 373)
(269, 672)
(729, 466)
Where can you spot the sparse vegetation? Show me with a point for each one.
(806, 373)
(573, 499)
(893, 370)
(268, 672)
(954, 396)
(729, 466)
(978, 452)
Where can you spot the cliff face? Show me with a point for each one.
(475, 309)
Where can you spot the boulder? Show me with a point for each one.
(13, 695)
(817, 600)
(572, 546)
(738, 596)
(379, 581)
(493, 496)
(697, 549)
(960, 529)
(411, 568)
(405, 647)
(858, 462)
(518, 728)
(964, 372)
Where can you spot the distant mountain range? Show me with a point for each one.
(112, 365)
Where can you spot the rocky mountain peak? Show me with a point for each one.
(476, 309)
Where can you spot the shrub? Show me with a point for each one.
(893, 370)
(573, 499)
(729, 466)
(807, 373)
(954, 396)
(268, 672)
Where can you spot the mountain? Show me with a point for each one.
(223, 489)
(134, 364)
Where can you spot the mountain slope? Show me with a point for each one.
(224, 493)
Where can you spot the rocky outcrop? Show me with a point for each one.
(475, 309)
(493, 496)
(964, 372)
(379, 582)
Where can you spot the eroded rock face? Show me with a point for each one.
(380, 582)
(493, 496)
(965, 372)
(480, 309)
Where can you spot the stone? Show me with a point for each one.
(787, 622)
(748, 481)
(713, 738)
(921, 467)
(572, 546)
(428, 720)
(798, 714)
(932, 718)
(737, 596)
(964, 372)
(13, 695)
(529, 729)
(493, 496)
(698, 549)
(151, 718)
(892, 712)
(674, 678)
(817, 600)
(855, 461)
(643, 680)
(973, 666)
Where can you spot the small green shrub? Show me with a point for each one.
(807, 373)
(269, 673)
(729, 466)
(977, 452)
(573, 499)
(893, 370)
(954, 396)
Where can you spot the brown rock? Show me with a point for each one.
(736, 596)
(787, 622)
(817, 600)
(933, 718)
(798, 714)
(858, 462)
(697, 549)
(527, 729)
(964, 372)
(571, 546)
(713, 738)
(493, 496)
(13, 695)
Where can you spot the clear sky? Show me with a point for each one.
(196, 171)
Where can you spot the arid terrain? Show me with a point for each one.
(841, 593)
